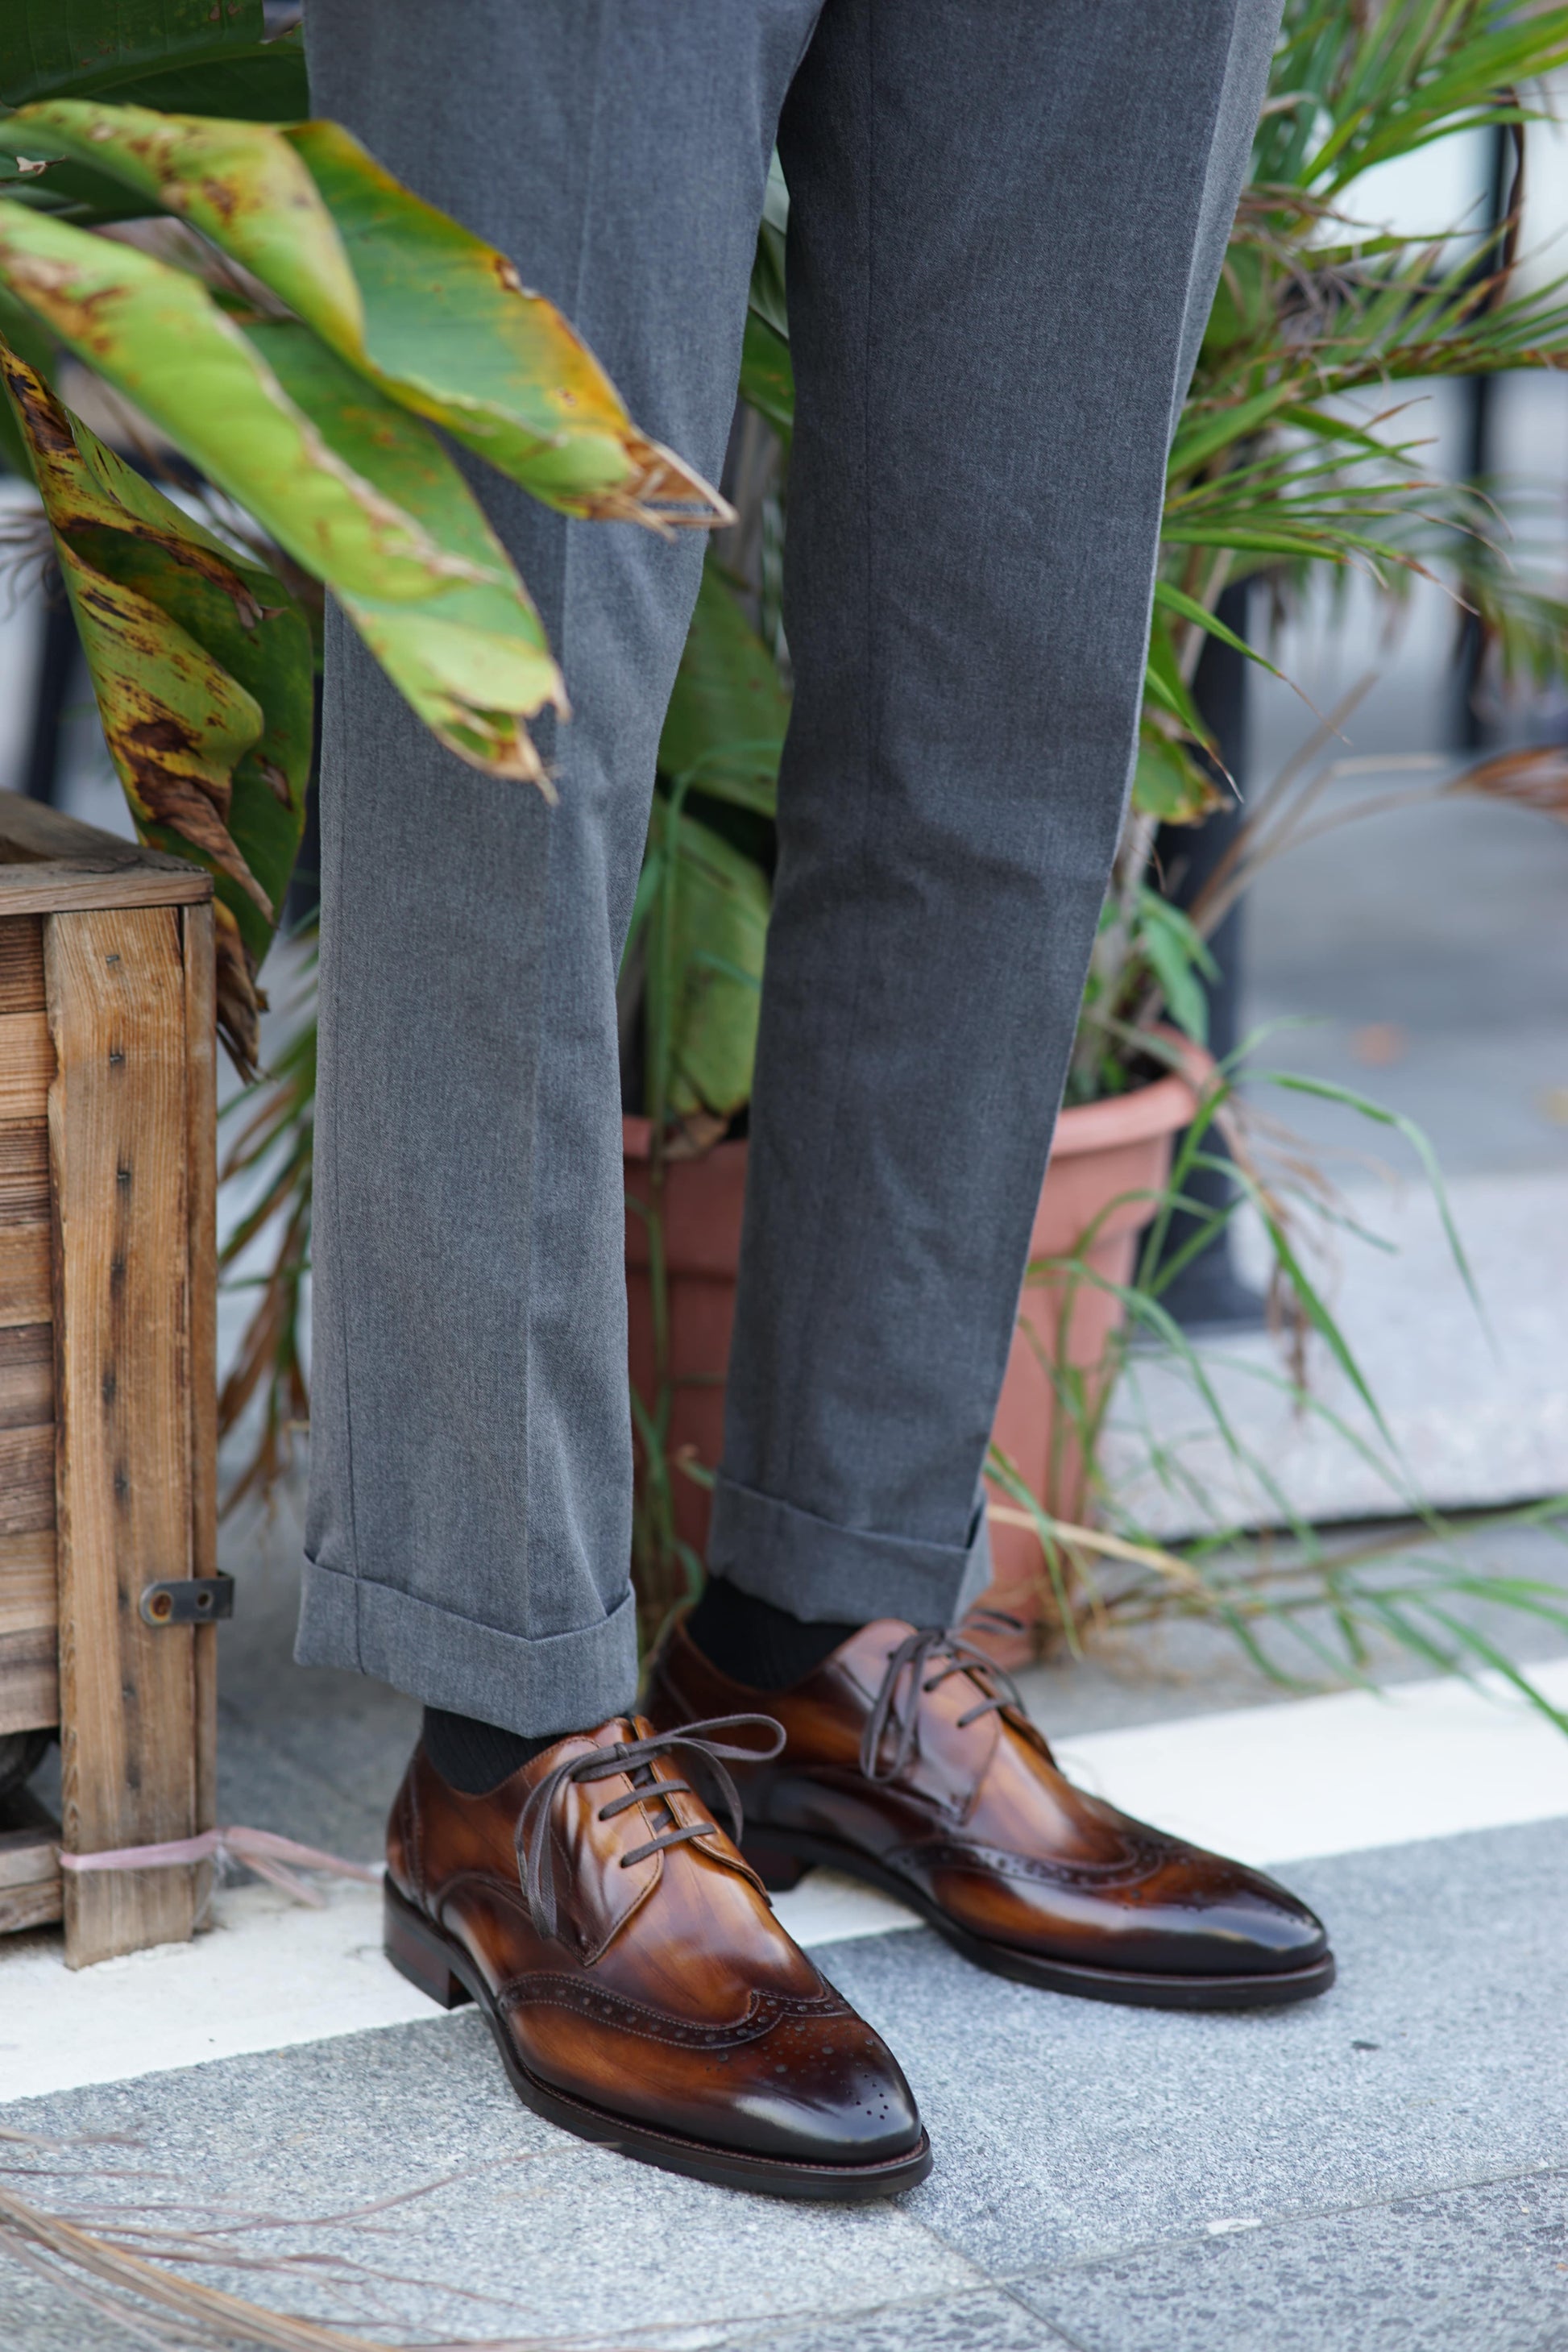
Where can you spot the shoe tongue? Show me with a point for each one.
(715, 1893)
(619, 1732)
(593, 1893)
(867, 1653)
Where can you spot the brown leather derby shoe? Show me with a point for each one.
(908, 1761)
(633, 1974)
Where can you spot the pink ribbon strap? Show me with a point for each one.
(261, 1850)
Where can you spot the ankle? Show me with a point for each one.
(757, 1642)
(475, 1757)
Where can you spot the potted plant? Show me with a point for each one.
(1271, 475)
(1293, 454)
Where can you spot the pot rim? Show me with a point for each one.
(1160, 1108)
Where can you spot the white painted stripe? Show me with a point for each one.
(1341, 1774)
(270, 1974)
(1272, 1784)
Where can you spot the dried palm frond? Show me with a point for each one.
(119, 2269)
(1534, 780)
(274, 1148)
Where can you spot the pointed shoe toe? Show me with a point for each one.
(638, 1985)
(1191, 1931)
(831, 2093)
(1246, 1921)
(908, 1761)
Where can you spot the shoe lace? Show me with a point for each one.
(536, 1854)
(946, 1648)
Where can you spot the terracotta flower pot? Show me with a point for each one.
(703, 1201)
(1108, 1162)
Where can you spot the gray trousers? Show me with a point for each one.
(1007, 218)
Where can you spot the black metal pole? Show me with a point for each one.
(304, 897)
(1208, 1291)
(59, 654)
(1480, 455)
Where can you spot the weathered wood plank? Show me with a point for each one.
(26, 1281)
(118, 1145)
(21, 963)
(29, 1589)
(29, 1678)
(26, 1065)
(201, 1069)
(38, 1906)
(29, 1855)
(63, 885)
(32, 830)
(25, 1172)
(29, 1639)
(26, 1481)
(27, 1381)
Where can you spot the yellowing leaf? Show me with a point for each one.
(1168, 784)
(358, 491)
(242, 181)
(401, 291)
(710, 955)
(53, 43)
(724, 729)
(201, 667)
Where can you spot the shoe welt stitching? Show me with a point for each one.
(1143, 1858)
(763, 2014)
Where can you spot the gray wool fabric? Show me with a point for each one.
(1007, 219)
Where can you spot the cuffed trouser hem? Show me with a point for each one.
(831, 1575)
(562, 1682)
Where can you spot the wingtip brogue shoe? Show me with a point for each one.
(908, 1761)
(631, 1971)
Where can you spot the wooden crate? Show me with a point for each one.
(107, 1364)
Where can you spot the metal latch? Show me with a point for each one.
(189, 1601)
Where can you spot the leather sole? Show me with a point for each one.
(781, 1857)
(438, 1963)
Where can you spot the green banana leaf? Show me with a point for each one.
(724, 730)
(259, 85)
(71, 190)
(47, 46)
(404, 294)
(181, 56)
(27, 339)
(767, 376)
(1168, 784)
(706, 945)
(266, 83)
(201, 666)
(361, 494)
(470, 654)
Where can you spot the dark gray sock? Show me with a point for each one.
(756, 1642)
(475, 1757)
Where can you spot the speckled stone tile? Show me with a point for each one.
(1475, 2270)
(1106, 2174)
(533, 2231)
(1065, 2127)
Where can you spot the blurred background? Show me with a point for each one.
(1427, 948)
(1418, 956)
